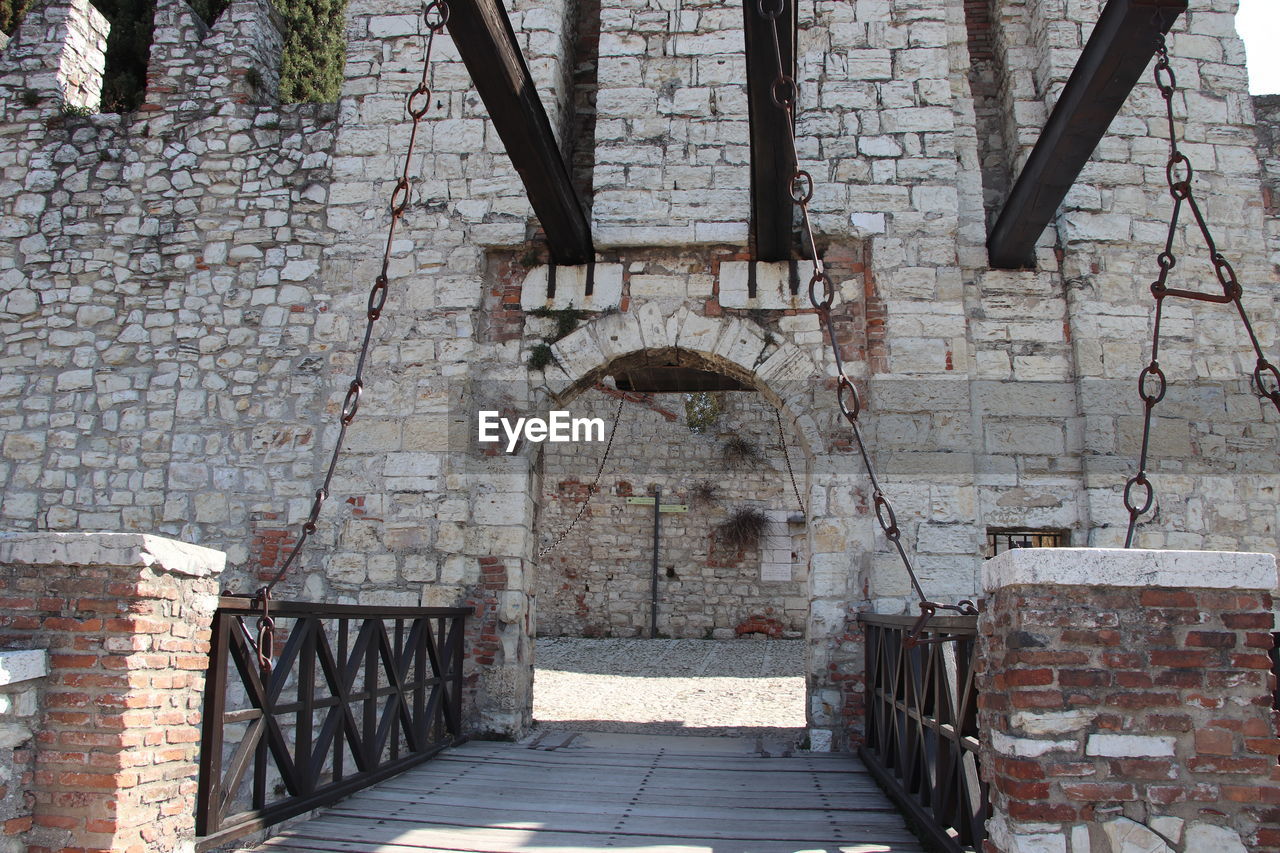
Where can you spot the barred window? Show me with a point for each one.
(999, 541)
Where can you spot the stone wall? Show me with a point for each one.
(596, 582)
(183, 287)
(1125, 701)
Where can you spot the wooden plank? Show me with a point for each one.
(502, 836)
(773, 161)
(870, 798)
(443, 803)
(1122, 44)
(487, 43)
(681, 779)
(498, 841)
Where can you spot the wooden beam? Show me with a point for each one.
(483, 35)
(773, 159)
(1118, 52)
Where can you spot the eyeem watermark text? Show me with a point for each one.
(557, 427)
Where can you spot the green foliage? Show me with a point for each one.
(74, 110)
(124, 82)
(11, 12)
(540, 356)
(701, 411)
(567, 319)
(314, 50)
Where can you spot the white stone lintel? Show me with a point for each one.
(571, 288)
(1117, 567)
(23, 665)
(111, 549)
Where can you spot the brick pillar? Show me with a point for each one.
(1125, 701)
(125, 618)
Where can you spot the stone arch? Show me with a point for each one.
(787, 375)
(783, 373)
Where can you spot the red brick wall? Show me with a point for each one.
(115, 755)
(1104, 703)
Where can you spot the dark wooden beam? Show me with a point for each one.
(1118, 52)
(483, 35)
(773, 159)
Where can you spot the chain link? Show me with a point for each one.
(782, 442)
(435, 16)
(591, 490)
(1139, 493)
(785, 93)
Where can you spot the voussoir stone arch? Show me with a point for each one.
(783, 372)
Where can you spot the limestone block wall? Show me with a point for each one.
(182, 293)
(597, 580)
(1266, 109)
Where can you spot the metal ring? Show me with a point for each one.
(310, 526)
(1170, 171)
(888, 525)
(419, 112)
(1150, 370)
(788, 100)
(1227, 276)
(845, 390)
(440, 10)
(377, 297)
(802, 187)
(828, 292)
(400, 196)
(1163, 67)
(770, 14)
(1265, 366)
(351, 404)
(1138, 480)
(1166, 260)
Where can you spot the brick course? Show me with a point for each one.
(126, 621)
(1177, 725)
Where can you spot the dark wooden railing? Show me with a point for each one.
(1275, 668)
(356, 695)
(922, 726)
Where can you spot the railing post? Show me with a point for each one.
(1126, 701)
(125, 618)
(209, 791)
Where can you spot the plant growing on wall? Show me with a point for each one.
(743, 528)
(704, 492)
(566, 320)
(737, 448)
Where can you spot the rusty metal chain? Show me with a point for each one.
(782, 442)
(435, 15)
(591, 490)
(1139, 493)
(785, 93)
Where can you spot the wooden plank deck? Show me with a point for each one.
(594, 791)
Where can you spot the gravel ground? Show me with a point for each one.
(742, 688)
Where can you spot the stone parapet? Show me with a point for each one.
(1125, 699)
(56, 58)
(125, 621)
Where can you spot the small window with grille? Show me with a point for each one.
(999, 541)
